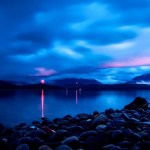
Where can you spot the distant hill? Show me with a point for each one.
(7, 85)
(142, 79)
(75, 82)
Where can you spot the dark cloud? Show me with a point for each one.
(135, 12)
(71, 36)
(38, 37)
(81, 70)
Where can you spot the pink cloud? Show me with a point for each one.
(143, 61)
(44, 72)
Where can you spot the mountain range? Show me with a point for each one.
(142, 79)
(138, 82)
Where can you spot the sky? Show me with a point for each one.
(108, 40)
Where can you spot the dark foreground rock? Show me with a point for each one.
(126, 129)
(139, 102)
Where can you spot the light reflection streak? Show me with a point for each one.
(42, 102)
(76, 97)
(66, 91)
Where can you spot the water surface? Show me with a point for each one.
(29, 105)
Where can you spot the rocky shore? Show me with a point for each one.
(126, 129)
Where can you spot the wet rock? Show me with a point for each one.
(146, 123)
(4, 145)
(116, 148)
(37, 141)
(102, 138)
(45, 147)
(7, 132)
(126, 117)
(72, 141)
(53, 126)
(136, 115)
(35, 122)
(46, 122)
(116, 115)
(36, 133)
(117, 123)
(60, 121)
(133, 137)
(126, 131)
(116, 135)
(63, 147)
(58, 136)
(75, 129)
(1, 128)
(25, 140)
(67, 117)
(96, 114)
(144, 119)
(144, 134)
(16, 135)
(48, 130)
(101, 127)
(125, 144)
(135, 120)
(23, 147)
(86, 123)
(145, 145)
(108, 147)
(139, 102)
(21, 125)
(109, 111)
(83, 116)
(100, 120)
(87, 134)
(73, 120)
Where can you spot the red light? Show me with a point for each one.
(42, 81)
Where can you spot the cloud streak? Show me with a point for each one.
(81, 38)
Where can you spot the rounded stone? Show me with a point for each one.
(63, 147)
(71, 141)
(23, 147)
(45, 147)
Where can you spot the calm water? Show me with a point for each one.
(29, 105)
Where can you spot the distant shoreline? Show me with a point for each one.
(83, 87)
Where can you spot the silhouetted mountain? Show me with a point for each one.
(142, 79)
(75, 82)
(131, 82)
(7, 85)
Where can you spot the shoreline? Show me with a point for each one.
(128, 128)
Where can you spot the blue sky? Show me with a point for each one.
(108, 40)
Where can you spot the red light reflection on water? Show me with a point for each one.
(42, 102)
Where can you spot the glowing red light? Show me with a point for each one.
(42, 81)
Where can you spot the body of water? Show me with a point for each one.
(29, 105)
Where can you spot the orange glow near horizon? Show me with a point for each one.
(42, 102)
